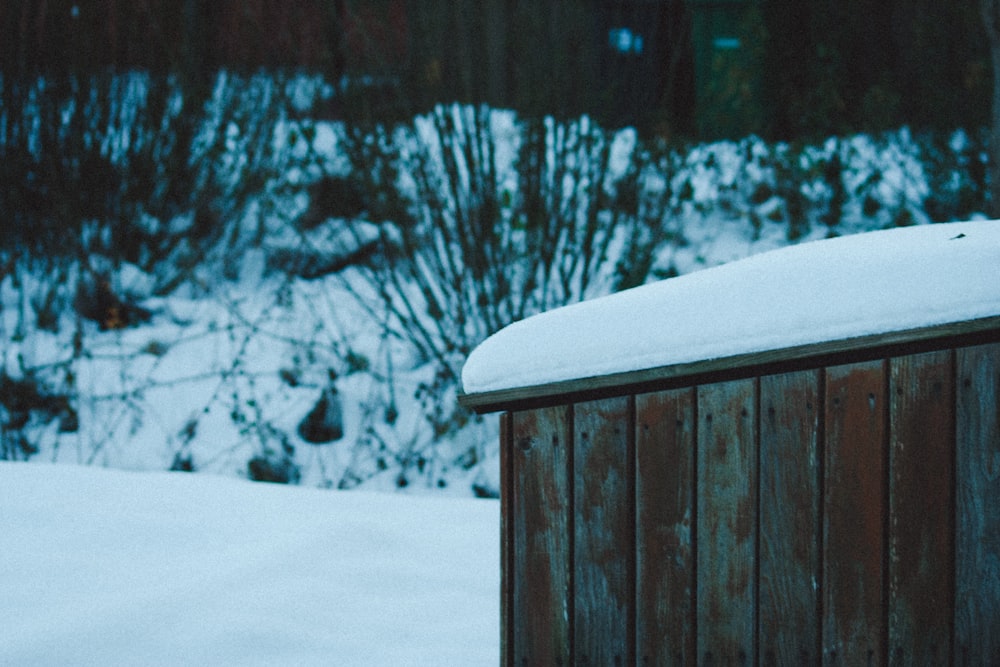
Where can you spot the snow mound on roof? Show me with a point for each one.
(833, 289)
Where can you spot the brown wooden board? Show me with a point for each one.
(977, 530)
(507, 574)
(854, 506)
(788, 620)
(921, 566)
(664, 514)
(603, 533)
(541, 508)
(726, 521)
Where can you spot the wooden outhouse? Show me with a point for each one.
(790, 459)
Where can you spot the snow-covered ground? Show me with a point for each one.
(107, 568)
(101, 566)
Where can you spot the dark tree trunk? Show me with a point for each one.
(991, 21)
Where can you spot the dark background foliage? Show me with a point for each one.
(695, 69)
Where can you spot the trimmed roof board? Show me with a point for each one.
(840, 289)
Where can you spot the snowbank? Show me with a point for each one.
(832, 289)
(113, 568)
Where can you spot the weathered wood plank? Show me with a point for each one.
(541, 508)
(854, 506)
(603, 531)
(664, 515)
(977, 530)
(788, 620)
(921, 564)
(726, 522)
(507, 575)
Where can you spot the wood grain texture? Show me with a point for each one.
(726, 522)
(603, 534)
(846, 515)
(665, 624)
(507, 574)
(541, 508)
(977, 531)
(854, 507)
(921, 563)
(788, 620)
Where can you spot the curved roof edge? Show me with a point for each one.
(824, 297)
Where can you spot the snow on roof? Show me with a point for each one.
(834, 289)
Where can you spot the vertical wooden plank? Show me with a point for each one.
(664, 513)
(977, 530)
(789, 519)
(506, 541)
(921, 565)
(541, 509)
(603, 550)
(854, 511)
(726, 522)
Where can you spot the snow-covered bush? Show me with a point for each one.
(956, 166)
(236, 287)
(487, 218)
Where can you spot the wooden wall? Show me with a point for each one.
(840, 515)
